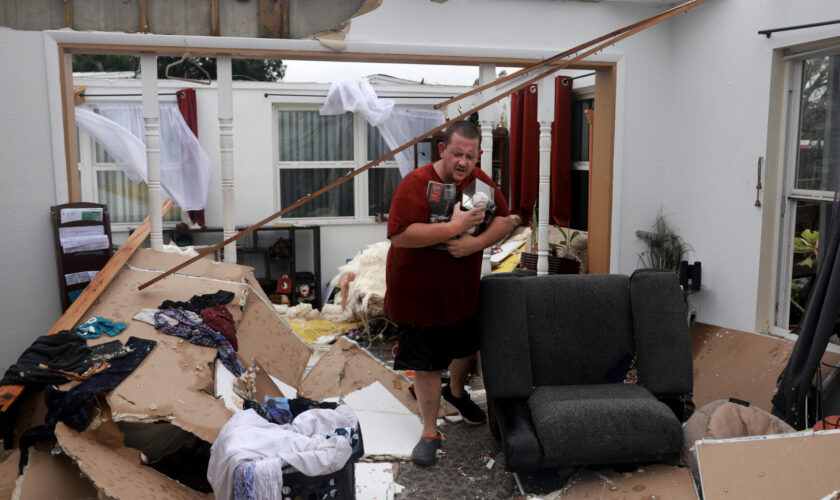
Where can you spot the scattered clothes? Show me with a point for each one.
(74, 407)
(49, 355)
(189, 326)
(277, 410)
(220, 319)
(96, 326)
(199, 302)
(247, 437)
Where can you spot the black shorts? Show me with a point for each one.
(433, 348)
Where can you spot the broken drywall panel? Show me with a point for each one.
(649, 481)
(116, 471)
(207, 268)
(49, 475)
(375, 481)
(265, 337)
(287, 390)
(256, 384)
(346, 368)
(9, 466)
(732, 363)
(783, 466)
(171, 383)
(388, 427)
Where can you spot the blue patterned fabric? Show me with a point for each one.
(195, 331)
(277, 410)
(243, 481)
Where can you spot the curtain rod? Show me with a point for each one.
(769, 32)
(129, 95)
(382, 96)
(576, 77)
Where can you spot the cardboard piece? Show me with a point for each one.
(731, 363)
(388, 427)
(145, 258)
(264, 336)
(346, 368)
(116, 470)
(796, 465)
(52, 476)
(9, 461)
(650, 481)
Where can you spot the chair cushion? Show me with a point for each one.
(602, 423)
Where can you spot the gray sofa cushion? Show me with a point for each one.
(501, 315)
(579, 326)
(663, 344)
(591, 424)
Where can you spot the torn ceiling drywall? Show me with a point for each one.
(116, 470)
(334, 38)
(783, 466)
(346, 368)
(48, 475)
(648, 481)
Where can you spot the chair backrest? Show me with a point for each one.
(577, 329)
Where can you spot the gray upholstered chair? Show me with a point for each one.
(554, 350)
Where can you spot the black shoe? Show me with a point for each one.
(470, 412)
(426, 450)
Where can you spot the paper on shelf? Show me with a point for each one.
(80, 277)
(83, 238)
(77, 214)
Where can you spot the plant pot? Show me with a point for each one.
(556, 265)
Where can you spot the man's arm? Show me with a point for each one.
(467, 245)
(425, 234)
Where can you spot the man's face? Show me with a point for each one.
(458, 158)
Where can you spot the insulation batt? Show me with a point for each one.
(365, 294)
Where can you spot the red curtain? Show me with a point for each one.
(525, 157)
(186, 104)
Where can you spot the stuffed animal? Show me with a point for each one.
(305, 293)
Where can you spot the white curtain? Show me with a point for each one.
(405, 124)
(397, 126)
(185, 169)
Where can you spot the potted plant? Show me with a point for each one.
(562, 257)
(666, 249)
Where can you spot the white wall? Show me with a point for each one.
(29, 300)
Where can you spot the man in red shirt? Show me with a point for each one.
(432, 275)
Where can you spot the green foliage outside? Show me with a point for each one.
(258, 70)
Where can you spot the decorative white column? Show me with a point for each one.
(545, 115)
(151, 119)
(224, 80)
(486, 118)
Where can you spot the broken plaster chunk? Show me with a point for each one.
(153, 407)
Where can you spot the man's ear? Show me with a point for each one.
(441, 148)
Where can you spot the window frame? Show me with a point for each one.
(790, 195)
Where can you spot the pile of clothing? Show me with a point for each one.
(260, 444)
(203, 320)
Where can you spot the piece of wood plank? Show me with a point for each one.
(274, 18)
(10, 393)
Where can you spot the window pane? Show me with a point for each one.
(127, 201)
(382, 182)
(580, 129)
(102, 156)
(376, 147)
(308, 136)
(295, 183)
(819, 124)
(811, 222)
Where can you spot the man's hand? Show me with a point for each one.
(463, 220)
(463, 245)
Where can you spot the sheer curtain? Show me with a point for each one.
(397, 126)
(185, 170)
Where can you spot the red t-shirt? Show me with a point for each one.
(427, 286)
